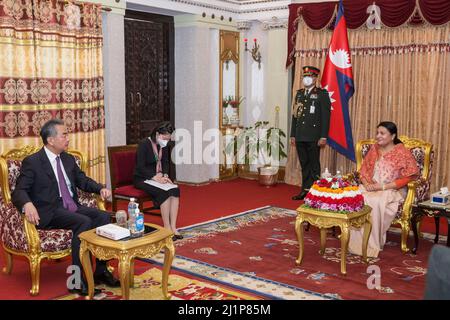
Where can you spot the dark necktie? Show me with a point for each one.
(68, 202)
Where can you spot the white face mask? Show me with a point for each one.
(162, 142)
(307, 81)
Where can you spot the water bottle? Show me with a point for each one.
(132, 207)
(139, 221)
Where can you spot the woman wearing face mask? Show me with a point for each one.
(152, 163)
(386, 170)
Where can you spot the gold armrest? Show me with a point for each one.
(34, 242)
(100, 202)
(412, 185)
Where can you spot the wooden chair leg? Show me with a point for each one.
(404, 238)
(114, 204)
(9, 262)
(35, 268)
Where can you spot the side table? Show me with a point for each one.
(433, 211)
(326, 219)
(125, 251)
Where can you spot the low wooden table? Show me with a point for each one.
(324, 220)
(125, 251)
(433, 211)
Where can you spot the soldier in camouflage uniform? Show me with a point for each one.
(310, 124)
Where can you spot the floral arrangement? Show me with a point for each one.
(335, 194)
(235, 102)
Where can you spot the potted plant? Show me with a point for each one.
(261, 147)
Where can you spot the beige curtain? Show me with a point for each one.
(51, 67)
(401, 75)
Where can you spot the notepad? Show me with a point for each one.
(163, 186)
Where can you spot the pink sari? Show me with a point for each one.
(396, 164)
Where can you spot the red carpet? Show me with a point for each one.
(181, 286)
(198, 204)
(263, 244)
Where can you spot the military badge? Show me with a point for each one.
(313, 96)
(299, 109)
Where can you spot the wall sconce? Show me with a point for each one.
(256, 55)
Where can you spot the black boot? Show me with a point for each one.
(300, 196)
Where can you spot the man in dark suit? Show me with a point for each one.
(46, 192)
(310, 124)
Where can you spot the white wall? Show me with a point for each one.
(277, 80)
(254, 84)
(114, 82)
(196, 95)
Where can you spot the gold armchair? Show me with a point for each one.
(418, 190)
(20, 237)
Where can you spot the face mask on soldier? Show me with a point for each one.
(307, 81)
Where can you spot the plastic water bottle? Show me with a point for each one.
(132, 207)
(139, 221)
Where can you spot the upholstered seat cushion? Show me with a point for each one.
(55, 239)
(130, 191)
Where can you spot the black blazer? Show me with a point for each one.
(307, 126)
(146, 161)
(37, 183)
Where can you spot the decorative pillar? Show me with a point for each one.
(278, 91)
(114, 81)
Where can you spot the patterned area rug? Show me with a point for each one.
(148, 287)
(255, 252)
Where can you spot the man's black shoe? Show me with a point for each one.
(83, 291)
(300, 196)
(107, 278)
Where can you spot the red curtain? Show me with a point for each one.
(393, 14)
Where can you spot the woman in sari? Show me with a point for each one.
(385, 172)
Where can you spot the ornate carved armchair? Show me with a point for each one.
(418, 190)
(20, 237)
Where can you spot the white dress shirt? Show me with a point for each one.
(52, 157)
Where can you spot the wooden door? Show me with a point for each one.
(149, 72)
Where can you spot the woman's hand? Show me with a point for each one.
(159, 178)
(168, 180)
(374, 187)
